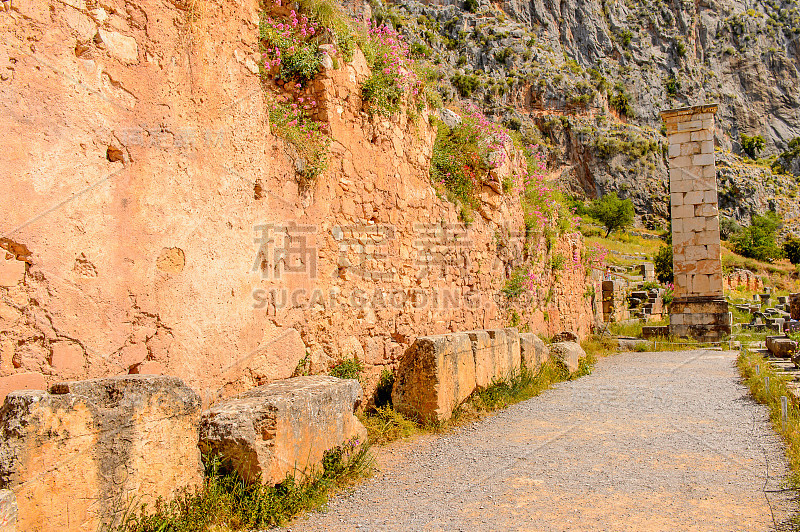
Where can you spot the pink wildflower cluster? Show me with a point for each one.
(495, 136)
(287, 36)
(393, 58)
(594, 257)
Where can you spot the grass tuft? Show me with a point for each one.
(771, 397)
(226, 502)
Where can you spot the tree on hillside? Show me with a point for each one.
(758, 240)
(792, 249)
(752, 146)
(662, 261)
(612, 212)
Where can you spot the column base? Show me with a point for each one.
(702, 318)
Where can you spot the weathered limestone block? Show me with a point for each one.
(569, 353)
(781, 346)
(505, 350)
(284, 427)
(78, 456)
(436, 373)
(533, 350)
(8, 511)
(630, 344)
(483, 354)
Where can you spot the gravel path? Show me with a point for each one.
(649, 441)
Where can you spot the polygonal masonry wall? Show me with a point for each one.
(699, 308)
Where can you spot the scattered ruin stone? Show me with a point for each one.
(781, 346)
(568, 353)
(80, 455)
(630, 344)
(284, 427)
(565, 336)
(794, 306)
(655, 331)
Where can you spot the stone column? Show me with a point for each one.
(699, 309)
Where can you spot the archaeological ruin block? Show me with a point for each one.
(533, 350)
(438, 372)
(699, 309)
(568, 353)
(284, 427)
(80, 455)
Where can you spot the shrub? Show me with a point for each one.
(614, 213)
(626, 37)
(515, 285)
(471, 5)
(663, 264)
(621, 102)
(382, 93)
(463, 156)
(292, 122)
(465, 84)
(757, 241)
(349, 368)
(727, 227)
(752, 146)
(227, 502)
(672, 85)
(792, 249)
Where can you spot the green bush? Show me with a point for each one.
(349, 368)
(752, 146)
(663, 264)
(382, 93)
(757, 241)
(465, 84)
(459, 159)
(792, 250)
(227, 502)
(471, 5)
(621, 102)
(727, 227)
(614, 213)
(672, 85)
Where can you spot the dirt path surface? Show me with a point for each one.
(649, 441)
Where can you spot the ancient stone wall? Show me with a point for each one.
(699, 308)
(154, 224)
(744, 279)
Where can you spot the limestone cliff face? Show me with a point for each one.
(589, 78)
(154, 224)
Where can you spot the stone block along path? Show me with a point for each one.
(649, 441)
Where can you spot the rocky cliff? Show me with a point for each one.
(155, 223)
(589, 77)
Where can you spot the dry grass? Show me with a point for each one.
(747, 362)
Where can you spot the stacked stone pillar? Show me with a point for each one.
(699, 309)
